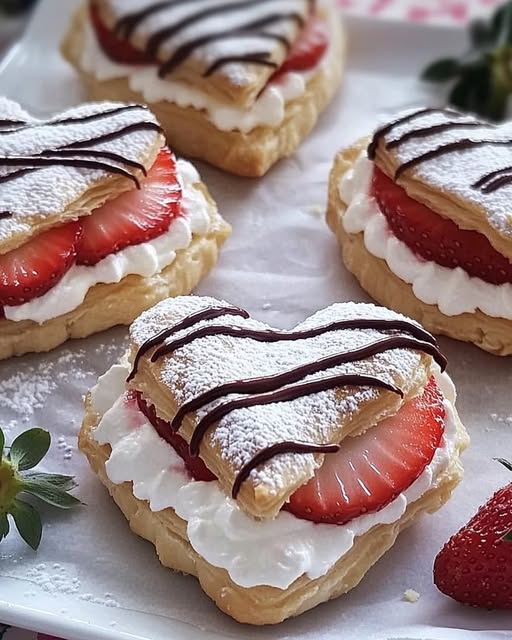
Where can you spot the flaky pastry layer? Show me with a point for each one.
(191, 133)
(241, 88)
(108, 305)
(374, 275)
(259, 605)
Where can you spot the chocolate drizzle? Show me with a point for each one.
(78, 154)
(5, 214)
(127, 25)
(205, 314)
(288, 385)
(276, 450)
(488, 183)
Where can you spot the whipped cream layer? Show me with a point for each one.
(145, 259)
(454, 291)
(254, 552)
(268, 110)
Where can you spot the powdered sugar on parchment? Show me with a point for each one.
(208, 362)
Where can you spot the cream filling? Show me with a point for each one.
(452, 290)
(146, 259)
(268, 110)
(254, 552)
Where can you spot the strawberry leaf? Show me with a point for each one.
(65, 483)
(29, 448)
(28, 523)
(4, 526)
(50, 494)
(2, 443)
(3, 629)
(441, 70)
(508, 537)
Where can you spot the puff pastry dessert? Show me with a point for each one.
(98, 222)
(422, 212)
(276, 466)
(238, 84)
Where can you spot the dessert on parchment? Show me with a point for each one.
(98, 222)
(423, 213)
(237, 83)
(276, 466)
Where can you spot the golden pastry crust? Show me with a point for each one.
(243, 87)
(192, 134)
(108, 305)
(261, 495)
(376, 278)
(260, 605)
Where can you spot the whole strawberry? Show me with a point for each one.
(475, 565)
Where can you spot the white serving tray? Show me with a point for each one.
(92, 579)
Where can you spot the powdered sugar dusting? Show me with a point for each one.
(51, 189)
(457, 171)
(208, 362)
(223, 22)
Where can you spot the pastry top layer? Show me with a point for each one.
(459, 166)
(59, 169)
(324, 417)
(227, 47)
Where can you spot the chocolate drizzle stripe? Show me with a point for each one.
(126, 25)
(245, 31)
(286, 394)
(43, 162)
(157, 39)
(108, 155)
(425, 132)
(16, 174)
(118, 133)
(189, 321)
(268, 335)
(11, 123)
(280, 448)
(494, 180)
(271, 383)
(451, 147)
(5, 214)
(383, 131)
(259, 58)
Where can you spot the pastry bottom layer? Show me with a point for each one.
(376, 278)
(192, 134)
(108, 305)
(259, 605)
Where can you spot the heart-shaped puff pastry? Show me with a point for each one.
(423, 213)
(239, 84)
(256, 458)
(98, 221)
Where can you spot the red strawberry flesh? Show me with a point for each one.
(135, 216)
(475, 565)
(371, 470)
(116, 48)
(308, 49)
(436, 238)
(195, 466)
(35, 267)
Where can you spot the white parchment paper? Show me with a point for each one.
(281, 264)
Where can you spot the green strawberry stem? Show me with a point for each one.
(25, 452)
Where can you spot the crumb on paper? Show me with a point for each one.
(316, 210)
(410, 595)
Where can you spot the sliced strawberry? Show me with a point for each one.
(135, 216)
(371, 470)
(116, 48)
(31, 270)
(309, 47)
(195, 466)
(436, 238)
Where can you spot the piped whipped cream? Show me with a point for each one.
(145, 259)
(268, 110)
(266, 552)
(454, 291)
